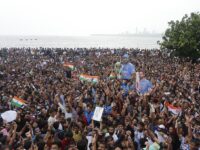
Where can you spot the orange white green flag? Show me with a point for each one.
(112, 76)
(71, 66)
(18, 102)
(173, 109)
(88, 78)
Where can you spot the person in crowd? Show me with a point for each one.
(127, 68)
(55, 110)
(145, 86)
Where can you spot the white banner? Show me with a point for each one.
(98, 112)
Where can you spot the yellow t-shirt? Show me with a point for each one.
(77, 136)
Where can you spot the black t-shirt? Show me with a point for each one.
(20, 124)
(68, 73)
(175, 142)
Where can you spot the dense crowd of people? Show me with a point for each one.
(59, 109)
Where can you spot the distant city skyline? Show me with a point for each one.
(86, 17)
(142, 31)
(137, 32)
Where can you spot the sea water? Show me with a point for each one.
(103, 41)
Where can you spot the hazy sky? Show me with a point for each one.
(84, 17)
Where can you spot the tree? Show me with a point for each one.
(183, 37)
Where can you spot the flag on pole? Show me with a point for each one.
(173, 109)
(88, 78)
(71, 66)
(18, 102)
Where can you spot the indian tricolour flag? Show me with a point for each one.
(18, 102)
(173, 109)
(88, 78)
(71, 66)
(112, 76)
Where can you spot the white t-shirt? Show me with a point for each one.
(89, 138)
(160, 137)
(67, 115)
(51, 120)
(138, 135)
(114, 136)
(184, 146)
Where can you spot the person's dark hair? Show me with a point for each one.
(1, 135)
(142, 142)
(56, 125)
(108, 138)
(163, 145)
(82, 145)
(58, 143)
(108, 122)
(80, 112)
(38, 138)
(71, 147)
(69, 120)
(27, 144)
(61, 135)
(4, 147)
(41, 145)
(142, 124)
(3, 139)
(69, 134)
(51, 111)
(1, 121)
(42, 123)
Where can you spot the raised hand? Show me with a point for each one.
(94, 139)
(188, 119)
(169, 140)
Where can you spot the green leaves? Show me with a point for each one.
(183, 36)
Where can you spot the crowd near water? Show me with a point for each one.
(150, 99)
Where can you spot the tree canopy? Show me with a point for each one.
(183, 36)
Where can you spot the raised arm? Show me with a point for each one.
(188, 124)
(152, 135)
(94, 142)
(123, 112)
(13, 134)
(169, 143)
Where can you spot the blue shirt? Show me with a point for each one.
(127, 70)
(88, 116)
(62, 99)
(145, 86)
(94, 95)
(125, 87)
(107, 110)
